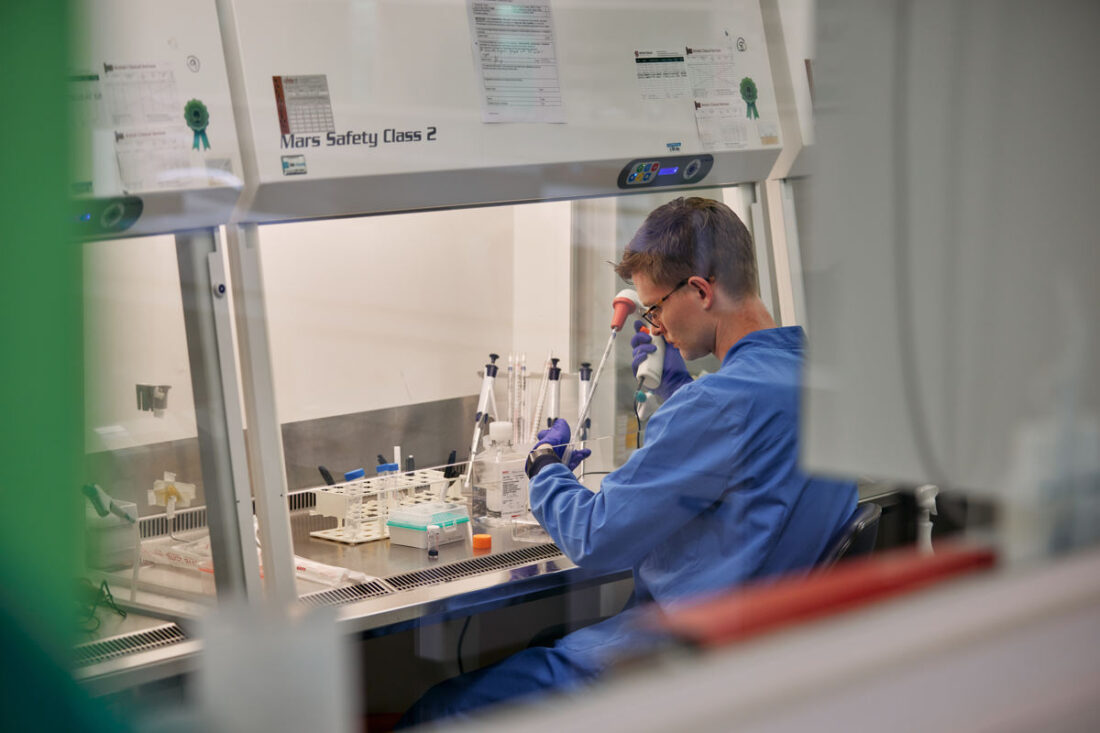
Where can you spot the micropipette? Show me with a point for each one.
(482, 416)
(553, 394)
(623, 305)
(584, 384)
(540, 401)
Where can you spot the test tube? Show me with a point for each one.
(433, 541)
(353, 494)
(387, 479)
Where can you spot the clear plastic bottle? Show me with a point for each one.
(499, 475)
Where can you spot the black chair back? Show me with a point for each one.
(856, 538)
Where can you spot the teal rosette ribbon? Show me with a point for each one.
(198, 117)
(749, 94)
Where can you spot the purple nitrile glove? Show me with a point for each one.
(557, 436)
(674, 373)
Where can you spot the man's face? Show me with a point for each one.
(676, 315)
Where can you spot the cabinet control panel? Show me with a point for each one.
(673, 170)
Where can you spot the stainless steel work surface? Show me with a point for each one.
(381, 558)
(410, 588)
(406, 589)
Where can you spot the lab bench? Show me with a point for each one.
(407, 589)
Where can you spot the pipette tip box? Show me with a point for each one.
(408, 525)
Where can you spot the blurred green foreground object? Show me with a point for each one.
(41, 397)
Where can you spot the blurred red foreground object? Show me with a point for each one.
(756, 609)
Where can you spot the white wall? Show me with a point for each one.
(385, 311)
(542, 294)
(133, 333)
(363, 314)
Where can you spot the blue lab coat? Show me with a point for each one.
(715, 498)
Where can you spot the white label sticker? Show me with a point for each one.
(515, 54)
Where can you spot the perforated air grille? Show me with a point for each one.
(185, 519)
(182, 521)
(466, 568)
(431, 576)
(353, 593)
(304, 499)
(94, 652)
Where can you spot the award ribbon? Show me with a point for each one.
(198, 117)
(749, 93)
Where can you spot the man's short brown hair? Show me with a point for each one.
(693, 236)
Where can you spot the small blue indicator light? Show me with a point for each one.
(668, 171)
(85, 217)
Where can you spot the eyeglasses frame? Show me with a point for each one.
(653, 311)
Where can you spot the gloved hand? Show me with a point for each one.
(674, 373)
(557, 436)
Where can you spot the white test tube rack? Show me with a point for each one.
(376, 497)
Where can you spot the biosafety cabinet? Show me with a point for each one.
(364, 201)
(313, 231)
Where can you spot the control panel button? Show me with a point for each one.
(112, 215)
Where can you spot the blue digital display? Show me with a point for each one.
(668, 171)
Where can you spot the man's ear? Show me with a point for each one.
(704, 289)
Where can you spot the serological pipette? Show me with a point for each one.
(482, 415)
(587, 406)
(521, 412)
(512, 393)
(623, 305)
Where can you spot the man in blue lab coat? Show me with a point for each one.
(715, 498)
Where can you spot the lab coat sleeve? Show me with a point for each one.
(684, 468)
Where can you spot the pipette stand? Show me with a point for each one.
(926, 504)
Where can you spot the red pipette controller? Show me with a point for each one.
(625, 303)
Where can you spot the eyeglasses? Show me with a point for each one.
(654, 311)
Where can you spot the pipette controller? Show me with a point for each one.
(650, 370)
